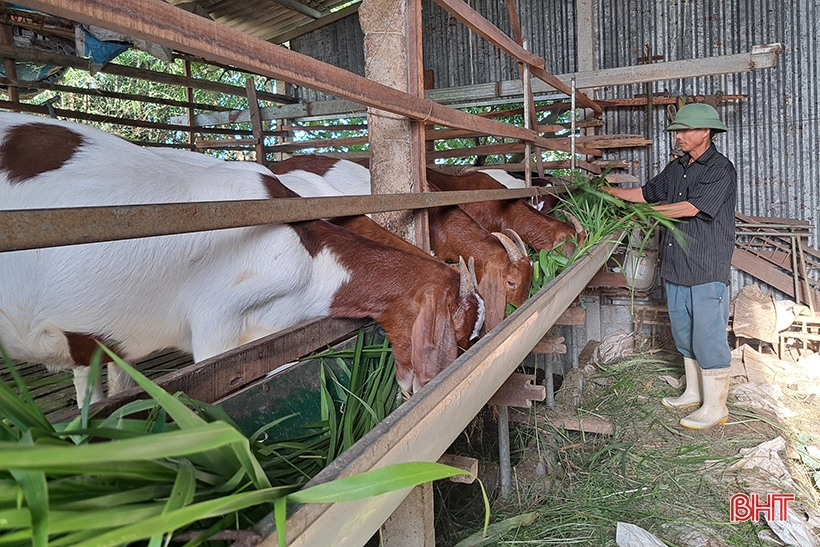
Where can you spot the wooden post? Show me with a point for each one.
(189, 96)
(256, 121)
(11, 67)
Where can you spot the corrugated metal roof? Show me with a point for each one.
(274, 20)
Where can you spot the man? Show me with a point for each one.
(698, 188)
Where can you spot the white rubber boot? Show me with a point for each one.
(691, 396)
(715, 386)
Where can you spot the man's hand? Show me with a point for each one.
(633, 195)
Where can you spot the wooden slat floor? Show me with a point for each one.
(54, 391)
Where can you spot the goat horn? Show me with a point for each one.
(518, 241)
(471, 269)
(464, 278)
(513, 252)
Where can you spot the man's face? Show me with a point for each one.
(692, 139)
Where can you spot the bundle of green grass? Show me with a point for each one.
(182, 469)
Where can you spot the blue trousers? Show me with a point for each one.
(699, 316)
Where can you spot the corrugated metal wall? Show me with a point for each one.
(774, 136)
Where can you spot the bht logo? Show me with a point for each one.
(748, 507)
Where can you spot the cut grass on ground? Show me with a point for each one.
(649, 471)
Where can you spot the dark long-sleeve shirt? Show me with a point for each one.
(710, 184)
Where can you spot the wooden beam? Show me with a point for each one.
(117, 95)
(478, 24)
(504, 148)
(658, 100)
(38, 228)
(613, 141)
(317, 24)
(11, 67)
(57, 59)
(299, 8)
(172, 27)
(215, 378)
(761, 57)
(473, 20)
(74, 115)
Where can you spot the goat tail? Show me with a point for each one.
(43, 343)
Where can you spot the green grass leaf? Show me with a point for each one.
(376, 482)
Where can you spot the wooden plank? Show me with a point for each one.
(461, 462)
(750, 264)
(550, 345)
(215, 378)
(418, 129)
(518, 391)
(11, 67)
(507, 148)
(304, 145)
(631, 102)
(760, 57)
(37, 228)
(219, 144)
(613, 141)
(588, 424)
(574, 316)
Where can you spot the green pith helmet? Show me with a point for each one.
(697, 116)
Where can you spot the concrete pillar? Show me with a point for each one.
(392, 51)
(411, 524)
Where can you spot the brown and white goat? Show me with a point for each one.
(204, 292)
(503, 269)
(539, 230)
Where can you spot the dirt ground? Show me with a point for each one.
(609, 460)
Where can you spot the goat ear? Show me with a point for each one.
(433, 340)
(494, 292)
(579, 228)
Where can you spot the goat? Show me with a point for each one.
(204, 292)
(503, 269)
(544, 202)
(540, 231)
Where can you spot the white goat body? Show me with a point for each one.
(203, 292)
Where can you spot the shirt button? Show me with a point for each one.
(680, 193)
(670, 244)
(684, 176)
